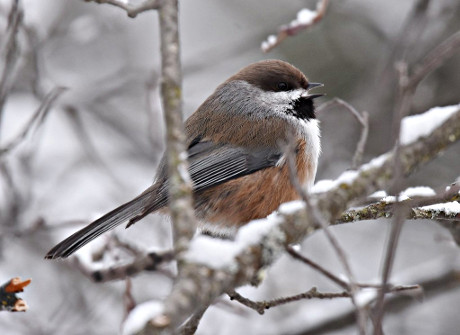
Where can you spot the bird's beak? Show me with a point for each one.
(313, 96)
(311, 86)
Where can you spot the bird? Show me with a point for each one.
(237, 161)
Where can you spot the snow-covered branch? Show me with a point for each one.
(206, 275)
(131, 10)
(442, 206)
(305, 19)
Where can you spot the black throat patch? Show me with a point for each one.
(303, 109)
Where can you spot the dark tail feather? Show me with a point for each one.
(132, 211)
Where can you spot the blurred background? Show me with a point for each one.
(101, 141)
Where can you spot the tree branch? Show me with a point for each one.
(362, 118)
(305, 19)
(131, 10)
(147, 262)
(35, 121)
(180, 184)
(9, 53)
(394, 303)
(261, 306)
(261, 242)
(385, 209)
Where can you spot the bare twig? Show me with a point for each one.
(340, 282)
(296, 26)
(35, 121)
(39, 224)
(9, 53)
(392, 243)
(318, 267)
(395, 303)
(148, 262)
(190, 327)
(131, 10)
(363, 119)
(324, 224)
(408, 85)
(88, 146)
(409, 82)
(14, 201)
(128, 299)
(261, 306)
(409, 34)
(433, 60)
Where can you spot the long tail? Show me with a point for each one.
(151, 200)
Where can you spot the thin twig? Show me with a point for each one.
(190, 327)
(9, 53)
(318, 267)
(88, 146)
(14, 201)
(131, 10)
(434, 59)
(129, 302)
(261, 306)
(400, 210)
(148, 262)
(396, 304)
(409, 35)
(408, 85)
(39, 224)
(318, 218)
(390, 254)
(35, 121)
(340, 282)
(362, 118)
(295, 27)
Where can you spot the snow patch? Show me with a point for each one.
(416, 126)
(323, 186)
(218, 253)
(291, 207)
(449, 208)
(378, 195)
(419, 191)
(213, 252)
(305, 17)
(392, 199)
(269, 43)
(365, 296)
(140, 315)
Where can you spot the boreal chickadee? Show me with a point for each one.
(236, 162)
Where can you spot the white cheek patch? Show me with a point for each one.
(281, 101)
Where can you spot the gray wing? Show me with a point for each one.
(212, 164)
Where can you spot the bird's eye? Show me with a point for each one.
(283, 86)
